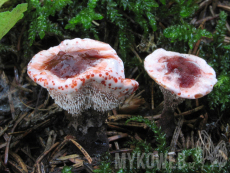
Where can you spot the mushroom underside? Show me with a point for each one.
(87, 97)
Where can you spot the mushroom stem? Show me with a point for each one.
(90, 130)
(171, 101)
(89, 119)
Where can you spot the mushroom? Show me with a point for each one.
(180, 76)
(82, 74)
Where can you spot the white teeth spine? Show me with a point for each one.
(85, 98)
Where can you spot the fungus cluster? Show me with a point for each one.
(180, 76)
(81, 74)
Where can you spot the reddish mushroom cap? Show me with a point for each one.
(185, 75)
(82, 73)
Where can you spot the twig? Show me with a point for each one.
(82, 150)
(206, 19)
(132, 124)
(182, 139)
(113, 138)
(190, 111)
(134, 71)
(133, 50)
(154, 117)
(225, 7)
(176, 135)
(8, 141)
(42, 156)
(124, 150)
(111, 133)
(21, 88)
(22, 74)
(19, 161)
(118, 117)
(28, 154)
(15, 166)
(192, 139)
(13, 91)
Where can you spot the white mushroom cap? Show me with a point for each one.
(95, 79)
(185, 75)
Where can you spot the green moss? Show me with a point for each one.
(67, 169)
(38, 16)
(187, 33)
(218, 56)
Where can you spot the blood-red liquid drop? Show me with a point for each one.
(66, 66)
(187, 70)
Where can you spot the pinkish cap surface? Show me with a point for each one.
(185, 75)
(81, 74)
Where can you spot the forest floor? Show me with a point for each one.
(36, 135)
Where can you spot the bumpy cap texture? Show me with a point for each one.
(185, 75)
(81, 74)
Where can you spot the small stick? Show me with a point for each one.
(95, 23)
(131, 124)
(72, 156)
(78, 162)
(116, 145)
(20, 36)
(8, 141)
(4, 130)
(139, 94)
(190, 125)
(137, 137)
(225, 7)
(30, 130)
(133, 50)
(60, 146)
(11, 105)
(206, 19)
(16, 133)
(134, 71)
(82, 150)
(118, 117)
(15, 166)
(28, 154)
(21, 88)
(19, 161)
(39, 159)
(188, 142)
(176, 135)
(190, 121)
(190, 111)
(154, 117)
(110, 133)
(182, 139)
(116, 127)
(50, 140)
(123, 150)
(192, 139)
(22, 74)
(116, 137)
(13, 91)
(178, 110)
(32, 107)
(42, 167)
